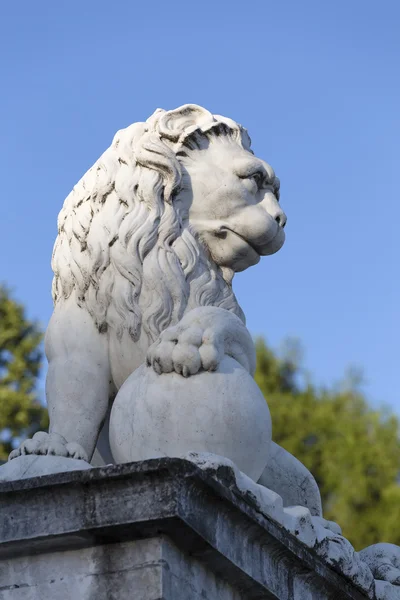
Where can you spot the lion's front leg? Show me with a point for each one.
(199, 342)
(77, 386)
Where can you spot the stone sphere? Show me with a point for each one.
(221, 412)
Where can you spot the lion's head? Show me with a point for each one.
(162, 221)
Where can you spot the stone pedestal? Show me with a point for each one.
(160, 529)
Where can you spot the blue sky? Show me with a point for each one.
(317, 85)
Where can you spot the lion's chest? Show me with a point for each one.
(125, 357)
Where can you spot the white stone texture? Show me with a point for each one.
(27, 466)
(73, 509)
(51, 444)
(222, 412)
(386, 591)
(384, 561)
(324, 537)
(55, 530)
(297, 487)
(149, 241)
(143, 569)
(156, 228)
(298, 521)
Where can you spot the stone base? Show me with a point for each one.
(149, 569)
(160, 529)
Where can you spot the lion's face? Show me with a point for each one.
(121, 246)
(233, 204)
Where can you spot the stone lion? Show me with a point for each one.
(148, 243)
(151, 235)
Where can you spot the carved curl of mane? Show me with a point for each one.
(122, 244)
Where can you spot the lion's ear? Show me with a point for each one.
(174, 123)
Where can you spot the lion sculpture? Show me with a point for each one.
(148, 243)
(151, 235)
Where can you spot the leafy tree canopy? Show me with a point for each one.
(21, 414)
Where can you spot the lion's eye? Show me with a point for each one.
(254, 182)
(258, 179)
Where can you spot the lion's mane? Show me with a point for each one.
(123, 247)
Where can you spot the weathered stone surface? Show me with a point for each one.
(297, 487)
(148, 243)
(152, 569)
(33, 465)
(223, 412)
(208, 530)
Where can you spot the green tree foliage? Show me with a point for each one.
(21, 414)
(352, 450)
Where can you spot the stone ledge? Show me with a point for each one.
(204, 514)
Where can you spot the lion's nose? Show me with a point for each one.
(281, 218)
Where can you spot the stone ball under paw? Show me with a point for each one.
(221, 412)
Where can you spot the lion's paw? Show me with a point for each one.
(49, 443)
(186, 350)
(76, 451)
